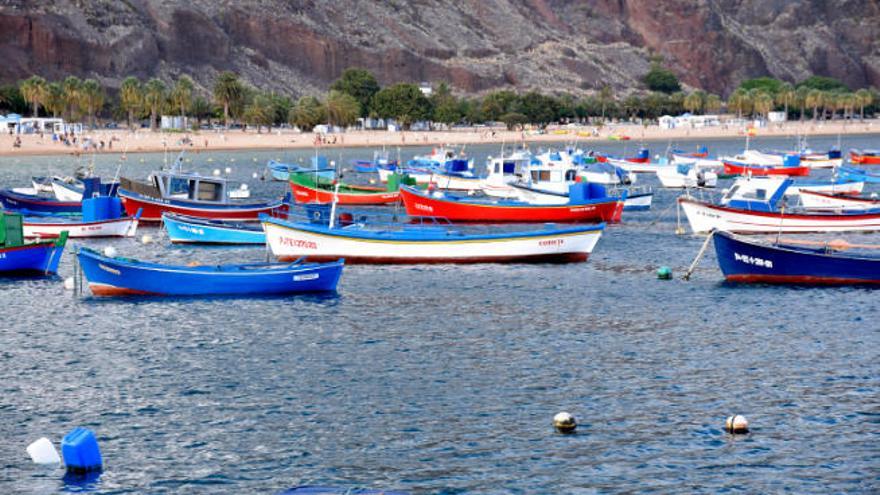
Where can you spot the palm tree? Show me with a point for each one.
(342, 109)
(92, 98)
(154, 98)
(814, 99)
(131, 98)
(182, 94)
(741, 101)
(713, 103)
(55, 101)
(863, 99)
(34, 89)
(763, 103)
(604, 96)
(259, 112)
(71, 87)
(801, 98)
(228, 91)
(307, 113)
(695, 102)
(785, 97)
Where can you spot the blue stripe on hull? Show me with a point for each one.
(37, 258)
(749, 261)
(180, 230)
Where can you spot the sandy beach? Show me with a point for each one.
(145, 141)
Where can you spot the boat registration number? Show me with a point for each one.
(751, 260)
(306, 276)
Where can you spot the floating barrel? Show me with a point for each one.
(80, 451)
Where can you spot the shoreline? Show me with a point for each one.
(145, 141)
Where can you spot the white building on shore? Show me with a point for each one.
(686, 120)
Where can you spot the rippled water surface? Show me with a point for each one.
(444, 379)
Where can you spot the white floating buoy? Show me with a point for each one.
(69, 284)
(564, 422)
(228, 170)
(216, 172)
(332, 163)
(736, 424)
(254, 175)
(243, 187)
(110, 252)
(43, 452)
(372, 181)
(146, 239)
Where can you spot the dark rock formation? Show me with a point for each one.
(475, 45)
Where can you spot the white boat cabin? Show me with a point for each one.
(191, 187)
(756, 193)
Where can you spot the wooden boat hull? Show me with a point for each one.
(182, 229)
(153, 208)
(290, 240)
(742, 169)
(861, 159)
(743, 260)
(705, 217)
(812, 200)
(116, 276)
(38, 204)
(119, 227)
(39, 258)
(376, 196)
(418, 204)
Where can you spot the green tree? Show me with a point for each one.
(201, 109)
(307, 113)
(496, 104)
(695, 102)
(473, 111)
(863, 98)
(281, 106)
(259, 112)
(34, 90)
(359, 83)
(823, 84)
(786, 96)
(740, 101)
(447, 108)
(182, 94)
(605, 97)
(801, 98)
(131, 98)
(713, 103)
(514, 120)
(154, 98)
(403, 102)
(54, 99)
(11, 99)
(762, 102)
(767, 84)
(660, 79)
(71, 87)
(92, 99)
(343, 109)
(229, 93)
(814, 99)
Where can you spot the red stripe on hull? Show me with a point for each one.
(638, 160)
(153, 211)
(795, 216)
(417, 205)
(798, 279)
(303, 194)
(534, 258)
(110, 290)
(730, 168)
(864, 159)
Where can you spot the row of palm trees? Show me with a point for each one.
(71, 97)
(761, 102)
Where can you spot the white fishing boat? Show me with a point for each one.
(818, 201)
(686, 175)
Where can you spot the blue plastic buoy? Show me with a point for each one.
(664, 273)
(80, 451)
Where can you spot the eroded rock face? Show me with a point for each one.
(476, 45)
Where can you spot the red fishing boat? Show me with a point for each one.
(587, 203)
(866, 157)
(740, 168)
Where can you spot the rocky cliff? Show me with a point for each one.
(476, 45)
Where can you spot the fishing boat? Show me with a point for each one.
(702, 152)
(18, 257)
(74, 190)
(115, 276)
(307, 188)
(786, 262)
(362, 241)
(187, 194)
(281, 171)
(53, 227)
(12, 200)
(587, 203)
(857, 174)
(686, 175)
(380, 159)
(503, 170)
(552, 188)
(813, 200)
(642, 156)
(864, 157)
(757, 205)
(790, 165)
(194, 230)
(835, 185)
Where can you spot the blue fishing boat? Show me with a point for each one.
(124, 276)
(12, 200)
(857, 174)
(186, 229)
(19, 257)
(787, 262)
(281, 171)
(380, 159)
